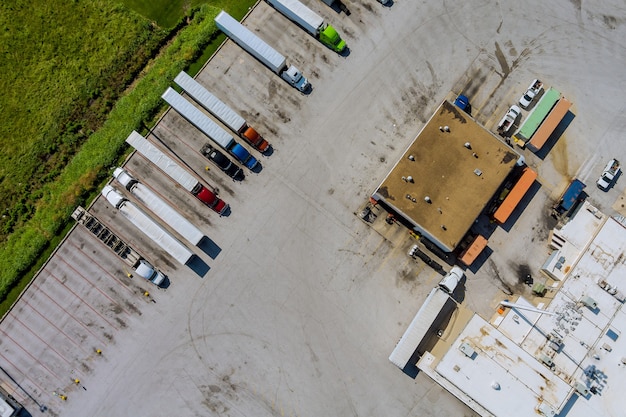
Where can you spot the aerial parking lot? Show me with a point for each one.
(293, 304)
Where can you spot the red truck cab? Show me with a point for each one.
(209, 198)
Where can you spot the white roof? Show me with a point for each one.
(584, 339)
(501, 376)
(164, 162)
(197, 118)
(156, 233)
(418, 328)
(211, 103)
(5, 409)
(249, 41)
(167, 213)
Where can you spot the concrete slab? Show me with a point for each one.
(300, 310)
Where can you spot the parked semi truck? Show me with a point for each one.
(311, 22)
(160, 208)
(231, 169)
(342, 7)
(129, 255)
(209, 127)
(256, 47)
(176, 172)
(147, 225)
(221, 111)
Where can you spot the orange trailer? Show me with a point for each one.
(516, 194)
(469, 255)
(549, 124)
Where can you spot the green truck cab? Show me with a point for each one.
(329, 37)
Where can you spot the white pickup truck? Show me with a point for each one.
(509, 119)
(531, 92)
(611, 170)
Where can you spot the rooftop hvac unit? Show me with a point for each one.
(467, 349)
(546, 410)
(589, 302)
(546, 360)
(581, 389)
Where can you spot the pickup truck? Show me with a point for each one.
(531, 92)
(509, 119)
(611, 171)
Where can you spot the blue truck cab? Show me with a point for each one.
(244, 156)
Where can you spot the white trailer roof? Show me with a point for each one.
(167, 213)
(5, 408)
(156, 232)
(250, 42)
(297, 11)
(197, 118)
(211, 103)
(418, 328)
(158, 158)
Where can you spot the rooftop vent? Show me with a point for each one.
(411, 158)
(468, 145)
(589, 302)
(428, 200)
(467, 349)
(581, 389)
(478, 172)
(546, 360)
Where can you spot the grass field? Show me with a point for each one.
(64, 72)
(64, 65)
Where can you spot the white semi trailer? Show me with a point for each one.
(209, 128)
(311, 22)
(160, 208)
(148, 226)
(177, 173)
(221, 111)
(257, 47)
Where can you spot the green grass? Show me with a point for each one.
(80, 175)
(63, 66)
(167, 13)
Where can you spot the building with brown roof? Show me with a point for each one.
(447, 176)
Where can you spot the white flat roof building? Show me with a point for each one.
(569, 361)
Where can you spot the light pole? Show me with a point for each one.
(42, 407)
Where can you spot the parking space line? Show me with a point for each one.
(60, 257)
(53, 325)
(17, 370)
(40, 291)
(86, 255)
(481, 105)
(40, 339)
(29, 354)
(82, 300)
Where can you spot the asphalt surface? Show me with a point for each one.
(295, 304)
